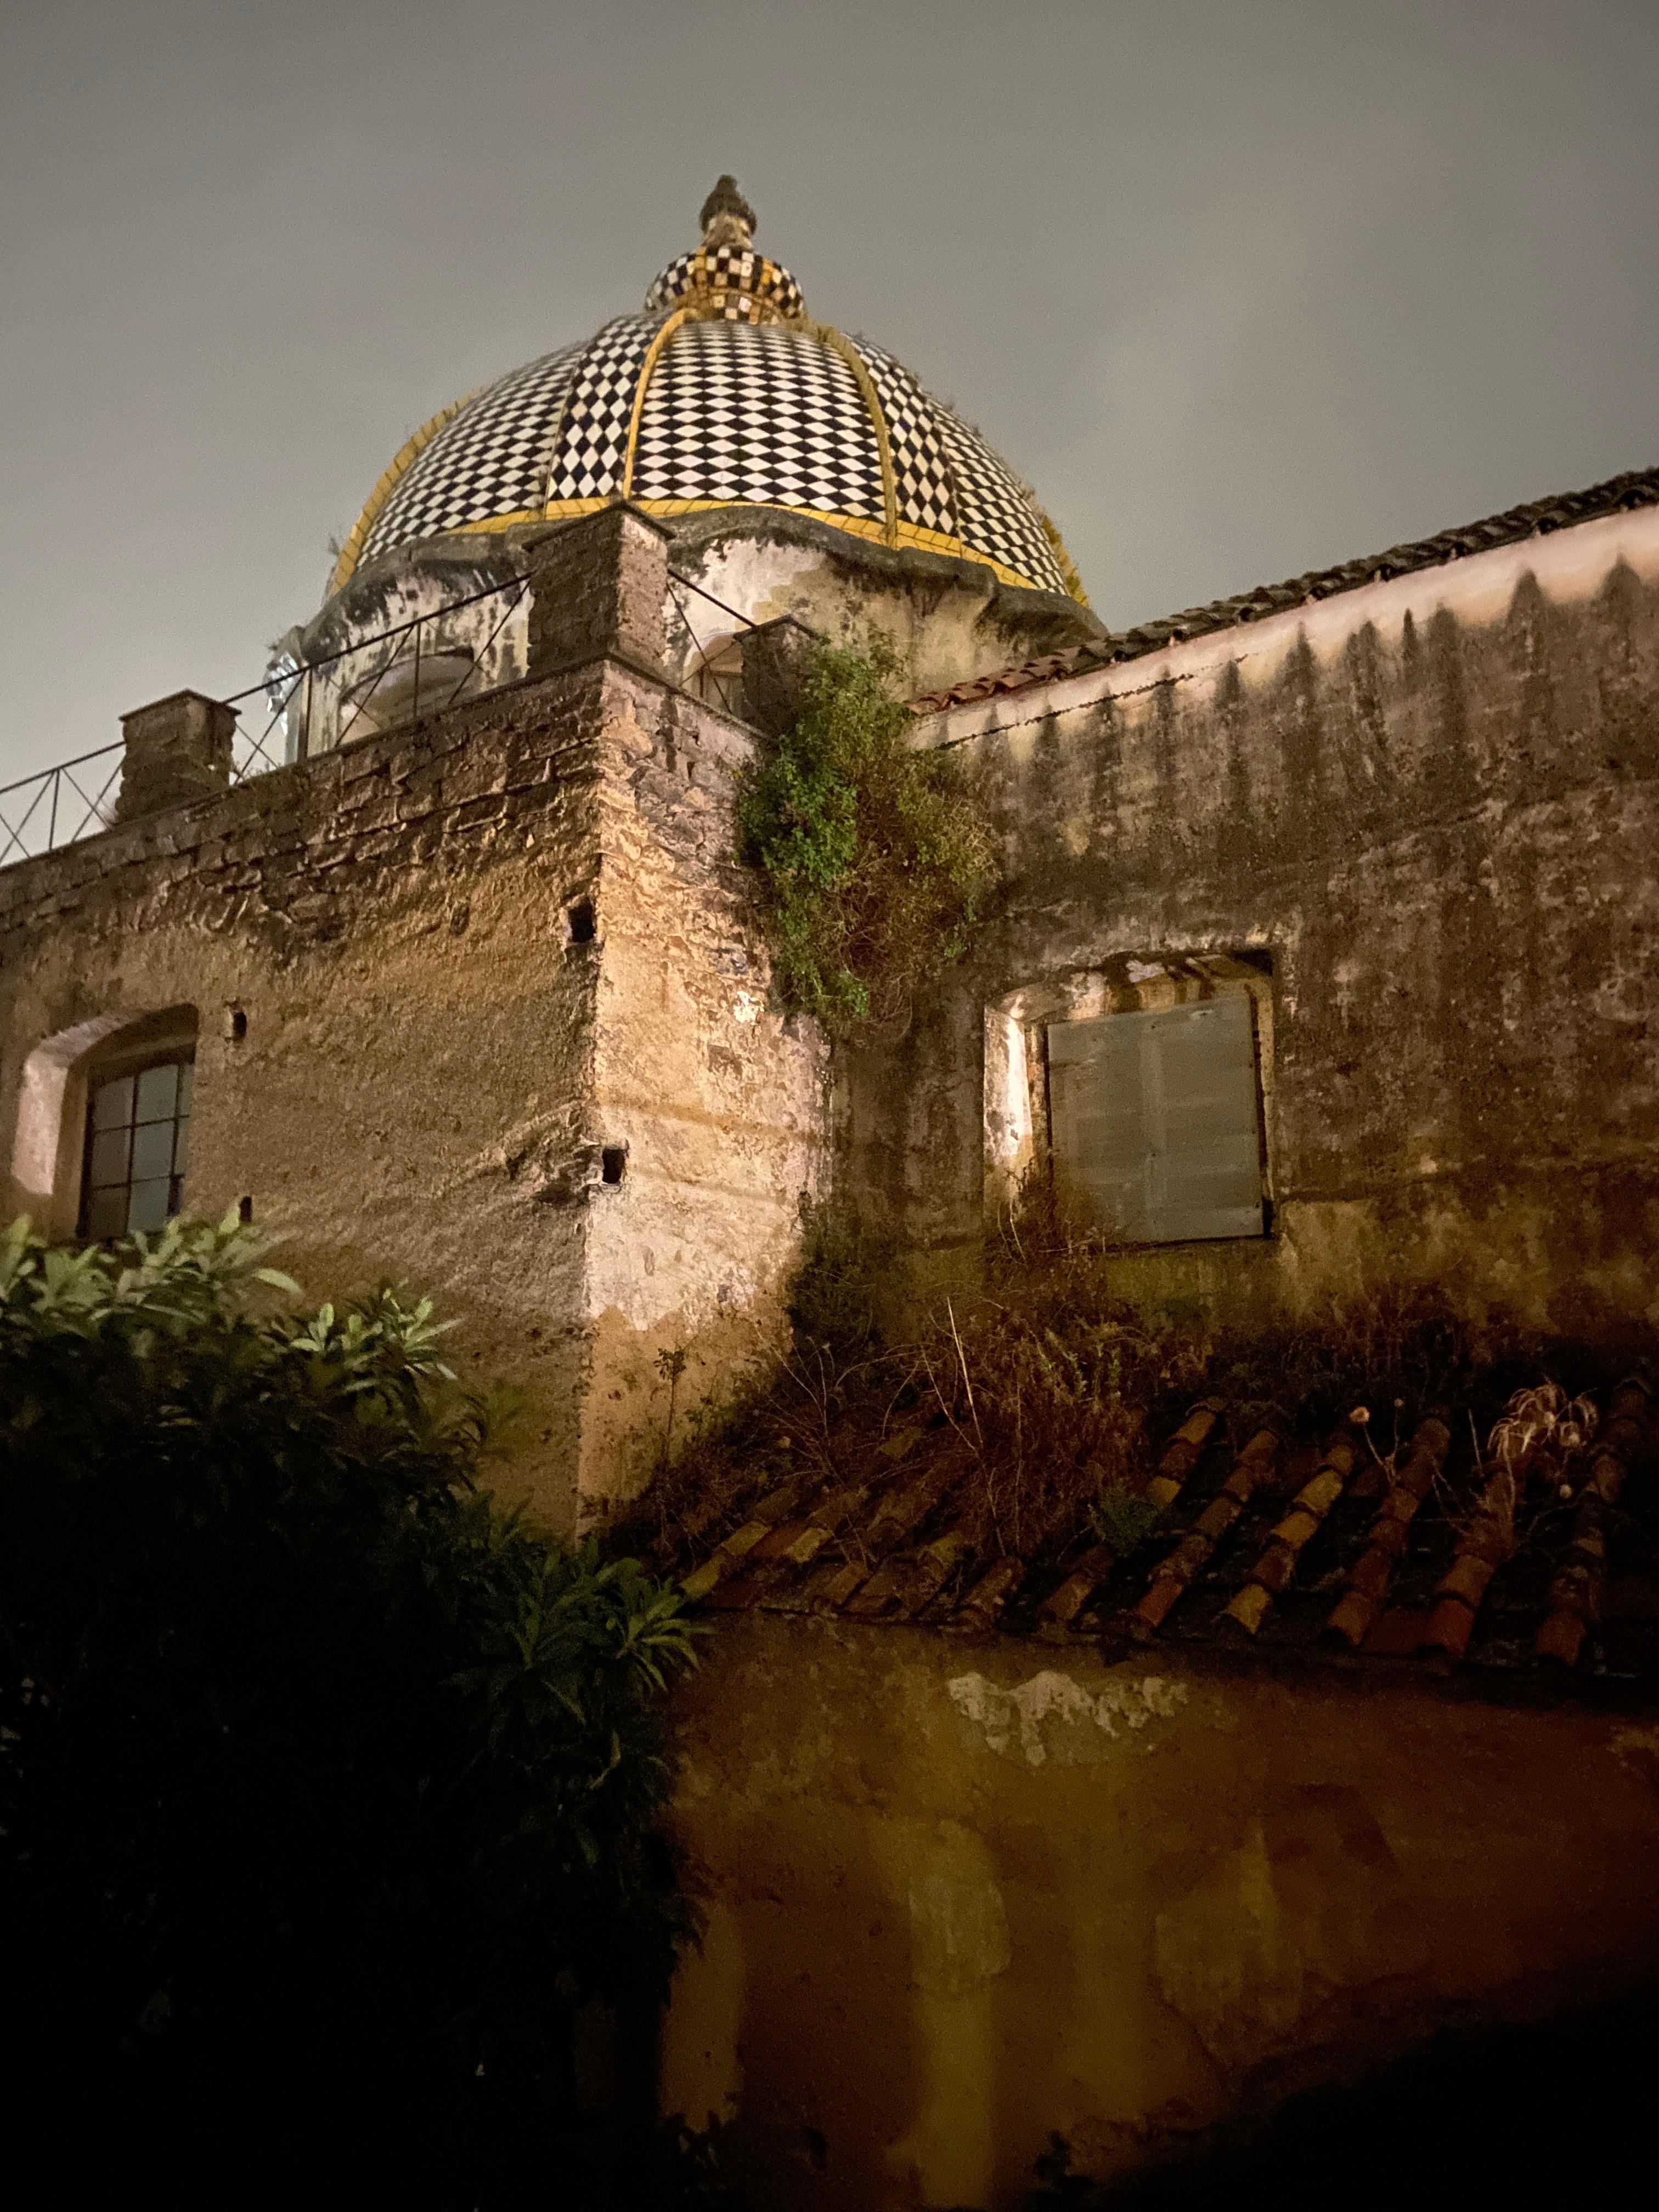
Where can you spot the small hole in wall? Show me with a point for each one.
(235, 1024)
(580, 921)
(245, 1209)
(613, 1159)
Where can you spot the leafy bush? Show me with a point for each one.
(874, 858)
(328, 1787)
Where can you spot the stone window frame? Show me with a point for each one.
(1017, 1140)
(49, 1147)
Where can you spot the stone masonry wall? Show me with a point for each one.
(413, 1089)
(1432, 807)
(717, 1102)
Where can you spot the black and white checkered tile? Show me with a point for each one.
(592, 448)
(993, 514)
(758, 413)
(490, 459)
(730, 269)
(921, 480)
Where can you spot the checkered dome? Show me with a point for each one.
(763, 415)
(689, 406)
(490, 458)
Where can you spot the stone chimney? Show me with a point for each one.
(600, 586)
(178, 749)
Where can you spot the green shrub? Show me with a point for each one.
(328, 1788)
(874, 858)
(837, 1294)
(1122, 1518)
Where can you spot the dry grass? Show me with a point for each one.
(1531, 1467)
(1042, 1397)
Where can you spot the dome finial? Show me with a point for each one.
(727, 219)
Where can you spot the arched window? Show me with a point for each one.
(103, 1123)
(406, 687)
(716, 674)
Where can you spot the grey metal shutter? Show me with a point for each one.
(1155, 1121)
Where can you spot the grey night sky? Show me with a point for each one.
(1241, 289)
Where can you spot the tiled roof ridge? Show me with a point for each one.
(1635, 488)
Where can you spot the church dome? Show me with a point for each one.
(722, 392)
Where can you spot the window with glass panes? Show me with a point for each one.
(138, 1134)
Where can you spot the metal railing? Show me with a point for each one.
(310, 707)
(318, 704)
(36, 810)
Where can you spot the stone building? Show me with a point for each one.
(1325, 957)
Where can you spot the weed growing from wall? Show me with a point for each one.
(874, 858)
(836, 1299)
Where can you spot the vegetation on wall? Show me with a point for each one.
(874, 858)
(328, 1788)
(1042, 1397)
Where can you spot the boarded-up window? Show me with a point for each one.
(1156, 1122)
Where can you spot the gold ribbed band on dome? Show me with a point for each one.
(907, 535)
(1063, 560)
(653, 353)
(391, 475)
(849, 353)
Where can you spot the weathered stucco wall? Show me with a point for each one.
(946, 619)
(959, 1895)
(1430, 807)
(433, 1059)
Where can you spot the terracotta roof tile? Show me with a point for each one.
(1346, 1552)
(1637, 488)
(1181, 1454)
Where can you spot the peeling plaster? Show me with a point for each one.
(1014, 1718)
